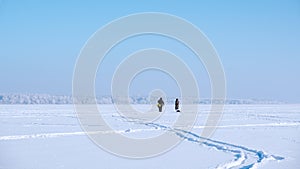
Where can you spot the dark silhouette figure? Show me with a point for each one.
(177, 105)
(160, 104)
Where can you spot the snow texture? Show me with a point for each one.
(248, 137)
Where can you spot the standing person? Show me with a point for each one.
(177, 105)
(160, 104)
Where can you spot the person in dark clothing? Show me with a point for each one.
(177, 105)
(160, 104)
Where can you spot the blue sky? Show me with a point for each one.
(257, 41)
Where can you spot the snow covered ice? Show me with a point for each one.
(248, 136)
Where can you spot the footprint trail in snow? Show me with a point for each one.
(244, 157)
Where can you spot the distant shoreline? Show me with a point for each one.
(67, 99)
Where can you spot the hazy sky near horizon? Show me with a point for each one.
(257, 42)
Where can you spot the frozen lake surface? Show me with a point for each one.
(248, 136)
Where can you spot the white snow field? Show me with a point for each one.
(248, 136)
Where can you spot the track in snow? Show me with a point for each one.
(244, 157)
